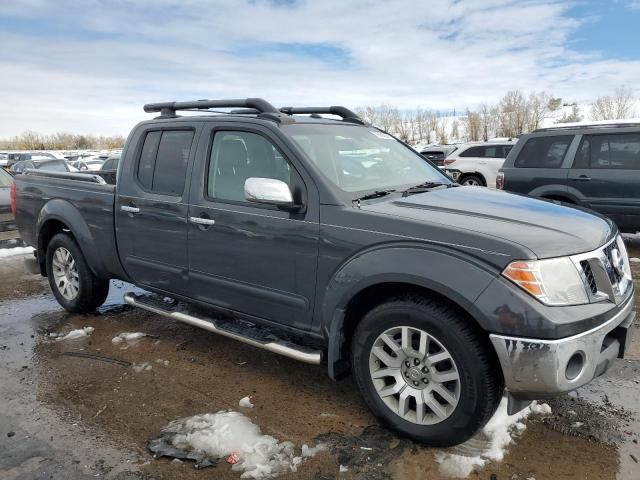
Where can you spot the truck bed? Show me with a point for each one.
(81, 199)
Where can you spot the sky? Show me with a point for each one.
(88, 66)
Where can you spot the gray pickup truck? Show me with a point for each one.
(329, 241)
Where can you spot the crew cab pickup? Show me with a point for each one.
(329, 241)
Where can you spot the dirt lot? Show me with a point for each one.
(67, 416)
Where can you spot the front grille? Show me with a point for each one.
(588, 276)
(605, 271)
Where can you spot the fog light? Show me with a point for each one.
(575, 366)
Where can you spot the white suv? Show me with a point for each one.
(477, 163)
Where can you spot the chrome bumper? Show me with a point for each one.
(538, 368)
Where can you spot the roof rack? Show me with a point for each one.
(596, 124)
(346, 114)
(251, 106)
(257, 105)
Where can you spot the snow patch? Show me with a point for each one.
(308, 451)
(10, 252)
(218, 435)
(343, 469)
(634, 260)
(130, 337)
(141, 367)
(497, 436)
(245, 403)
(73, 334)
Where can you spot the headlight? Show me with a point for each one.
(554, 282)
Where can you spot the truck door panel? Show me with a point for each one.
(250, 258)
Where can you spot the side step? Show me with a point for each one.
(240, 330)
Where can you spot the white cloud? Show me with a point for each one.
(96, 63)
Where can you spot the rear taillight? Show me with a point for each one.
(12, 196)
(448, 161)
(500, 181)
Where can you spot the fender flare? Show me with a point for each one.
(64, 212)
(457, 276)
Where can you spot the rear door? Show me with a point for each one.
(540, 166)
(250, 258)
(151, 207)
(606, 175)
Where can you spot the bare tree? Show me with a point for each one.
(615, 107)
(473, 126)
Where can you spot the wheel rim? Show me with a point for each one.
(65, 273)
(471, 182)
(414, 375)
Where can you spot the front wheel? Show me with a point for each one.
(424, 370)
(72, 282)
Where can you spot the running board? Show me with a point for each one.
(240, 330)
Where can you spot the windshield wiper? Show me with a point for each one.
(424, 187)
(373, 195)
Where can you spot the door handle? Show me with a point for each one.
(582, 178)
(202, 221)
(129, 209)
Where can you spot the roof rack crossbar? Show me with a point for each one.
(168, 109)
(346, 114)
(587, 126)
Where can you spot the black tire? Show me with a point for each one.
(92, 291)
(481, 383)
(472, 180)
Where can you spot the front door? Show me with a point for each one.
(151, 208)
(250, 258)
(606, 172)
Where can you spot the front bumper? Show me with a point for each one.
(536, 368)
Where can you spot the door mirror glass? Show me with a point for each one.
(269, 191)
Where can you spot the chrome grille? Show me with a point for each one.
(588, 277)
(605, 272)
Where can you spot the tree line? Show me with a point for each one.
(31, 140)
(515, 113)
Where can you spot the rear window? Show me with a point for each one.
(163, 161)
(544, 152)
(54, 166)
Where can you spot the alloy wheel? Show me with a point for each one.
(65, 273)
(414, 375)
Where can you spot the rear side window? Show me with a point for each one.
(473, 152)
(544, 152)
(163, 161)
(487, 151)
(619, 151)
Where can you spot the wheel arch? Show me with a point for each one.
(61, 216)
(480, 175)
(376, 276)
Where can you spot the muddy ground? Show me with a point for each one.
(64, 416)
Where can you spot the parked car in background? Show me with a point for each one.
(477, 164)
(110, 163)
(90, 164)
(16, 157)
(42, 164)
(6, 180)
(437, 153)
(4, 160)
(596, 166)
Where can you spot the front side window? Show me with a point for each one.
(237, 156)
(163, 161)
(361, 159)
(544, 152)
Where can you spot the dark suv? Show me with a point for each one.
(593, 166)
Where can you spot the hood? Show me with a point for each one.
(545, 228)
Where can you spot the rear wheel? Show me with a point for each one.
(472, 181)
(424, 370)
(73, 284)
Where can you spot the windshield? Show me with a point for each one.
(360, 159)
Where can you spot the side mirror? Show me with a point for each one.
(269, 191)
